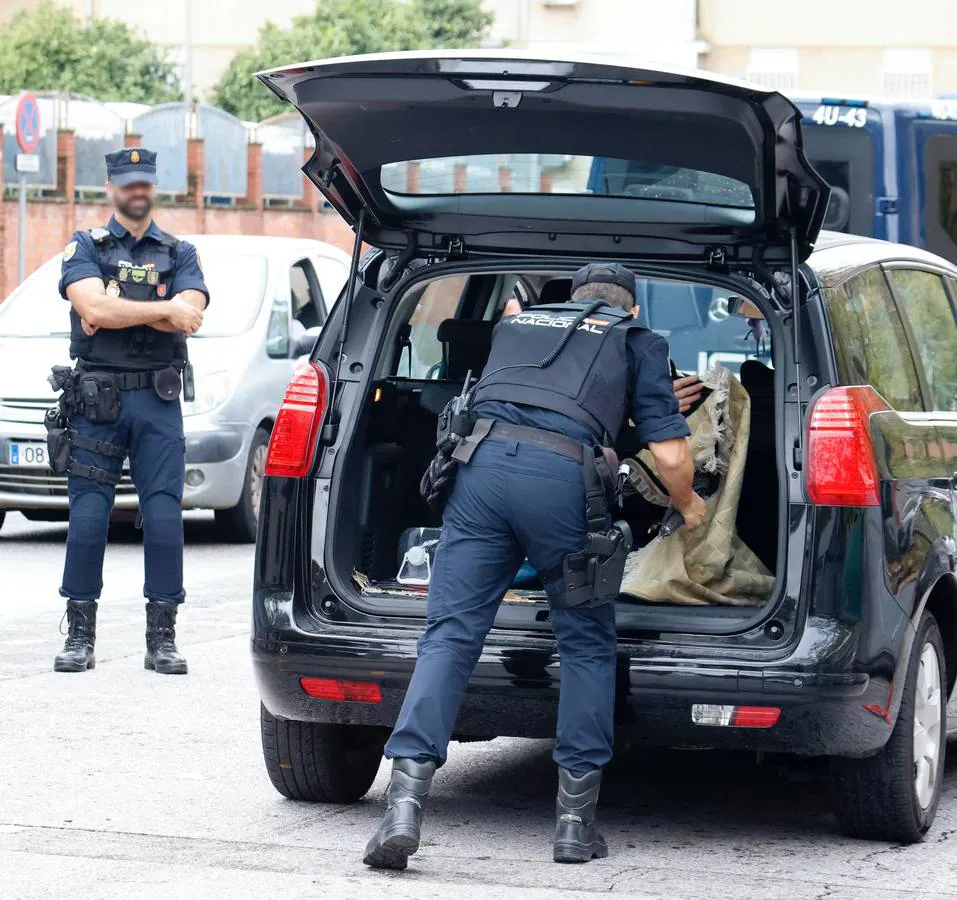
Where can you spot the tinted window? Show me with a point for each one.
(940, 192)
(924, 301)
(844, 157)
(869, 339)
(307, 307)
(535, 173)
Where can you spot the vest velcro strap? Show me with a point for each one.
(95, 446)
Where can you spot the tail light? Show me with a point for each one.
(348, 691)
(735, 716)
(292, 444)
(841, 467)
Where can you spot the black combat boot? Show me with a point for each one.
(77, 654)
(161, 653)
(398, 835)
(577, 840)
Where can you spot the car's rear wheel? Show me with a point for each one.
(321, 763)
(893, 796)
(240, 523)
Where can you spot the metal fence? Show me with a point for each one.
(101, 127)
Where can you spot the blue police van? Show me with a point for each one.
(892, 167)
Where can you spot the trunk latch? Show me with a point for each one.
(456, 246)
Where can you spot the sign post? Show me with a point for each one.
(28, 140)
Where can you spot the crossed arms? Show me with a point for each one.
(97, 309)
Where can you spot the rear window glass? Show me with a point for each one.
(531, 173)
(869, 339)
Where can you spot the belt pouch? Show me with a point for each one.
(97, 397)
(167, 384)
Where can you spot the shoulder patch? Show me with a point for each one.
(68, 251)
(99, 235)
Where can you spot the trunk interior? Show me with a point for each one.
(442, 330)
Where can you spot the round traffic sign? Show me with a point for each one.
(28, 123)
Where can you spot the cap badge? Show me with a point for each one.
(135, 156)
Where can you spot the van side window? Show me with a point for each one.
(307, 306)
(940, 191)
(440, 301)
(923, 301)
(870, 343)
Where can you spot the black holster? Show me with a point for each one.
(94, 395)
(593, 575)
(456, 423)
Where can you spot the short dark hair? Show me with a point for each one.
(613, 294)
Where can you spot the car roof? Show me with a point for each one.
(837, 256)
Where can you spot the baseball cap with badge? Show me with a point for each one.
(132, 165)
(605, 273)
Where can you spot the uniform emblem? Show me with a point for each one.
(113, 288)
(161, 291)
(135, 156)
(138, 275)
(124, 273)
(68, 251)
(152, 276)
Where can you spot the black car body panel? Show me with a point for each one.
(370, 111)
(830, 650)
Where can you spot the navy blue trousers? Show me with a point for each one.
(510, 501)
(152, 430)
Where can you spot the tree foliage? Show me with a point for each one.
(343, 28)
(50, 49)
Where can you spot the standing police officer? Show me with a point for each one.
(560, 382)
(136, 294)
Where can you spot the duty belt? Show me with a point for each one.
(490, 428)
(125, 381)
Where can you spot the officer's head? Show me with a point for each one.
(131, 181)
(605, 281)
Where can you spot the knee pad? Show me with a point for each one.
(162, 518)
(89, 515)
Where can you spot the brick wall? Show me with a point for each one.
(51, 220)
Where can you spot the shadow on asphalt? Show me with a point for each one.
(687, 793)
(198, 528)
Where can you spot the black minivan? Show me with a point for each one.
(468, 175)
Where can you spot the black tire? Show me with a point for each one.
(320, 763)
(240, 523)
(876, 797)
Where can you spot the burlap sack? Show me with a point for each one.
(711, 564)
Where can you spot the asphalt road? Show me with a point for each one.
(121, 783)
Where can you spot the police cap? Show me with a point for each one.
(131, 165)
(605, 273)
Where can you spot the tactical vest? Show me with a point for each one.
(589, 382)
(148, 279)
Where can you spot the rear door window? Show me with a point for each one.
(424, 353)
(940, 194)
(924, 303)
(870, 343)
(308, 307)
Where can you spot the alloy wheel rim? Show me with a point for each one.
(927, 726)
(256, 472)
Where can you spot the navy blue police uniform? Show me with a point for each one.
(149, 427)
(516, 498)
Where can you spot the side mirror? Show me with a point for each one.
(304, 344)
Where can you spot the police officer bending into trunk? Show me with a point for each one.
(136, 294)
(532, 480)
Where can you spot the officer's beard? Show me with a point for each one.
(136, 209)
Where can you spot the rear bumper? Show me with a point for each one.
(514, 692)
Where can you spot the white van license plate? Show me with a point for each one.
(28, 454)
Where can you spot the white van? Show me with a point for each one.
(269, 298)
